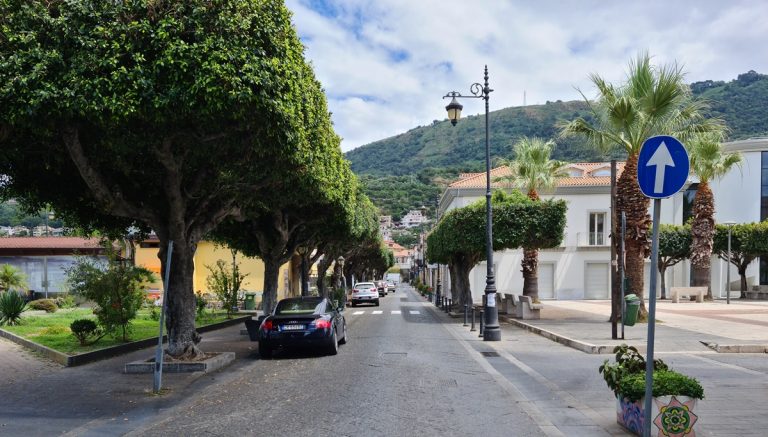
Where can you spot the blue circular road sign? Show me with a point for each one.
(662, 166)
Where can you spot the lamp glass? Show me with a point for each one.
(454, 110)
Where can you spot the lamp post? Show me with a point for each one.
(491, 314)
(728, 265)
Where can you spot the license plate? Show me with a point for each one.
(293, 327)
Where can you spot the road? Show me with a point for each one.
(401, 373)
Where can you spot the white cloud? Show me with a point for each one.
(385, 64)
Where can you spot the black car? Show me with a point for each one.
(303, 322)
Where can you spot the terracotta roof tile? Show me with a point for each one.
(477, 180)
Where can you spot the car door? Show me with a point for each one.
(338, 318)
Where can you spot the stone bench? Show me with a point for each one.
(676, 292)
(527, 310)
(509, 304)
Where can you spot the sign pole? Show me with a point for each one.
(651, 317)
(621, 270)
(158, 377)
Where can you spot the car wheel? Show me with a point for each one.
(333, 348)
(265, 351)
(354, 304)
(376, 303)
(344, 338)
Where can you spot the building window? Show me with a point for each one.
(596, 228)
(688, 196)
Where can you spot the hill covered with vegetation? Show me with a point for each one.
(408, 170)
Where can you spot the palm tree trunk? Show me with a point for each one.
(634, 204)
(702, 234)
(530, 271)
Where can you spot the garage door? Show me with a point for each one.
(596, 281)
(546, 281)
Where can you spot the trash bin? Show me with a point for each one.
(631, 307)
(250, 301)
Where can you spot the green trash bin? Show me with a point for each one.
(250, 301)
(631, 308)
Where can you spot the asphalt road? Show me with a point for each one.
(402, 373)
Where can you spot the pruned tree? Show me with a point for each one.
(674, 246)
(169, 116)
(459, 238)
(748, 242)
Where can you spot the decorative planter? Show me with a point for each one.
(672, 416)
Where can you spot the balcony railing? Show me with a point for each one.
(592, 239)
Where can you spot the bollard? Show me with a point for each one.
(482, 325)
(472, 329)
(450, 304)
(465, 314)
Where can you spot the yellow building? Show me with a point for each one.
(208, 254)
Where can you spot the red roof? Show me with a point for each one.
(50, 243)
(477, 180)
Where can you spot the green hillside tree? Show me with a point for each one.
(652, 101)
(169, 116)
(533, 170)
(708, 162)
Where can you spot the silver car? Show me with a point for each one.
(365, 292)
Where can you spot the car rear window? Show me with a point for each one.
(300, 306)
(364, 285)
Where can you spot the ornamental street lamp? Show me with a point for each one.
(728, 265)
(491, 315)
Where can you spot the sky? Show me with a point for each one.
(385, 64)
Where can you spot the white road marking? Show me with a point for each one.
(377, 312)
(357, 313)
(395, 312)
(414, 312)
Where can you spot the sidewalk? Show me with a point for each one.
(683, 327)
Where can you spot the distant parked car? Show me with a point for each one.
(365, 292)
(391, 286)
(303, 322)
(381, 286)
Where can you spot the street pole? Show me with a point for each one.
(621, 270)
(490, 318)
(158, 380)
(651, 317)
(728, 269)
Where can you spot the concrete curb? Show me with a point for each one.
(737, 348)
(575, 344)
(107, 352)
(216, 362)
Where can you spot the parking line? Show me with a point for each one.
(357, 313)
(395, 312)
(377, 312)
(414, 312)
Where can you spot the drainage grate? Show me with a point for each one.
(490, 354)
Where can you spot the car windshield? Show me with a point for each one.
(300, 306)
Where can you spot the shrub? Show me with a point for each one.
(47, 305)
(338, 297)
(54, 330)
(200, 303)
(12, 305)
(224, 281)
(665, 383)
(115, 288)
(65, 301)
(86, 331)
(628, 362)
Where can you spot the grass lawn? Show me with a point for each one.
(52, 329)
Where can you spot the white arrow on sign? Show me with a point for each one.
(661, 159)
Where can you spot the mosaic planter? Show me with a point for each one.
(672, 416)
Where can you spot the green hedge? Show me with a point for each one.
(665, 383)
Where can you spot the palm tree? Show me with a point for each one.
(652, 101)
(533, 170)
(11, 278)
(708, 162)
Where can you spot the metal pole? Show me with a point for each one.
(158, 381)
(728, 271)
(621, 270)
(482, 325)
(491, 316)
(472, 328)
(651, 317)
(615, 288)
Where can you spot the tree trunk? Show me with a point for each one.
(271, 281)
(454, 290)
(662, 269)
(322, 269)
(181, 306)
(462, 267)
(304, 274)
(634, 204)
(702, 234)
(530, 271)
(743, 274)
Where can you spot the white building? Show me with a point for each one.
(579, 268)
(414, 218)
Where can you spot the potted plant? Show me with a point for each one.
(674, 394)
